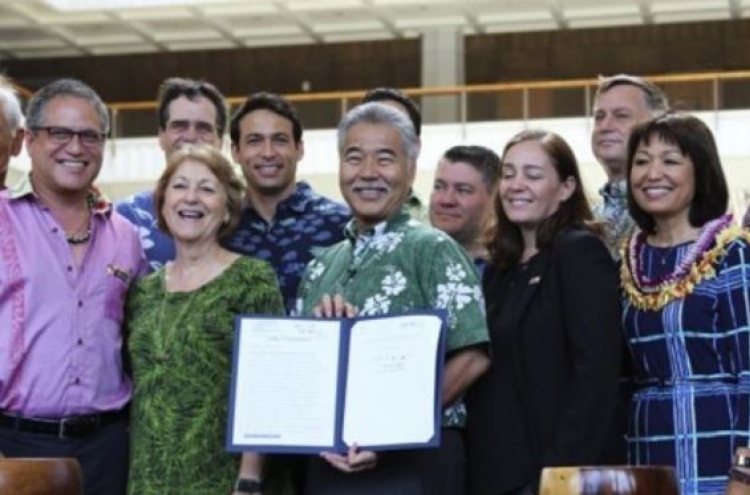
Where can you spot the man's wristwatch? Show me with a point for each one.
(741, 460)
(248, 485)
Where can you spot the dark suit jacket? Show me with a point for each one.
(549, 397)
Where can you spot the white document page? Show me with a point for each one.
(390, 392)
(286, 382)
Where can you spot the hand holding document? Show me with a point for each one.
(307, 385)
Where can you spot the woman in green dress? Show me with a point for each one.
(180, 326)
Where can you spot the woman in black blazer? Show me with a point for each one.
(553, 312)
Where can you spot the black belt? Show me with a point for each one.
(72, 427)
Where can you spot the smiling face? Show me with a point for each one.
(190, 121)
(459, 201)
(268, 154)
(662, 180)
(616, 112)
(68, 168)
(195, 203)
(530, 186)
(374, 174)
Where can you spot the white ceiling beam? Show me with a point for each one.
(472, 21)
(299, 21)
(141, 30)
(124, 49)
(26, 12)
(278, 41)
(644, 6)
(222, 28)
(387, 23)
(267, 31)
(558, 14)
(735, 9)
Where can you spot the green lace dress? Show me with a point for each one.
(180, 348)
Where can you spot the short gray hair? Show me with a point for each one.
(378, 113)
(61, 88)
(10, 105)
(656, 100)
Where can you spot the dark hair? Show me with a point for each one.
(398, 96)
(265, 101)
(192, 89)
(505, 243)
(656, 100)
(695, 140)
(218, 164)
(484, 160)
(72, 88)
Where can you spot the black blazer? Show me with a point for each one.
(549, 397)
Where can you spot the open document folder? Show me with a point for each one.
(304, 385)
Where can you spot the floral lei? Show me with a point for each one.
(696, 266)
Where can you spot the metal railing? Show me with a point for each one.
(523, 100)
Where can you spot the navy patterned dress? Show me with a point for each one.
(691, 406)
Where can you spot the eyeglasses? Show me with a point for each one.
(63, 135)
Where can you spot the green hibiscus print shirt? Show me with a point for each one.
(402, 265)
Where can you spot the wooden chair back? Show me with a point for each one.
(609, 480)
(40, 476)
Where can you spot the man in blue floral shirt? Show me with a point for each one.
(285, 222)
(621, 102)
(190, 111)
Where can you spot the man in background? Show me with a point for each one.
(462, 196)
(190, 111)
(11, 127)
(621, 102)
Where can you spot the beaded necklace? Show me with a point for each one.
(75, 239)
(697, 265)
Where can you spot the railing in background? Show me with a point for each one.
(485, 102)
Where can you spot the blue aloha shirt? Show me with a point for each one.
(139, 210)
(613, 211)
(304, 223)
(399, 266)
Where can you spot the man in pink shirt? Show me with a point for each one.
(66, 261)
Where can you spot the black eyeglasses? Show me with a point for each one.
(63, 135)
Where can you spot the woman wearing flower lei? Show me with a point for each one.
(685, 275)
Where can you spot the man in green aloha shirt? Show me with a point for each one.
(390, 264)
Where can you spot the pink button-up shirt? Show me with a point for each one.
(60, 326)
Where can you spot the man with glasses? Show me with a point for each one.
(189, 111)
(11, 127)
(66, 262)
